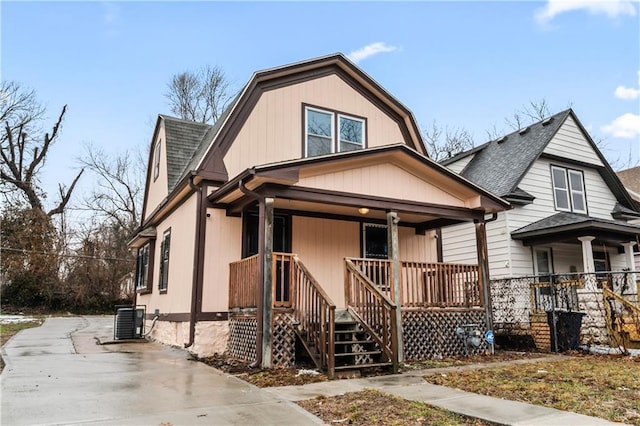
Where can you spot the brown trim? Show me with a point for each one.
(373, 202)
(185, 316)
(423, 227)
(148, 177)
(265, 81)
(439, 251)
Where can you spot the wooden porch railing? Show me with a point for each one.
(375, 311)
(293, 287)
(243, 277)
(425, 285)
(315, 313)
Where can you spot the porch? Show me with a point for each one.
(608, 301)
(387, 316)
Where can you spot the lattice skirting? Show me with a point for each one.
(283, 349)
(242, 337)
(433, 333)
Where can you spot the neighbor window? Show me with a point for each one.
(164, 261)
(156, 160)
(568, 190)
(142, 268)
(322, 138)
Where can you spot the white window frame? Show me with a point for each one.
(156, 159)
(569, 190)
(335, 128)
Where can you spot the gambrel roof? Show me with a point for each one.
(500, 165)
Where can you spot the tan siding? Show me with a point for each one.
(274, 132)
(385, 180)
(178, 297)
(416, 248)
(322, 245)
(157, 190)
(569, 140)
(223, 246)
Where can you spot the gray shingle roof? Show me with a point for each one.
(564, 219)
(182, 139)
(499, 165)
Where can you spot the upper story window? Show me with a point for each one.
(163, 284)
(156, 160)
(322, 138)
(568, 190)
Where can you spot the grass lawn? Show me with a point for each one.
(602, 386)
(7, 331)
(370, 407)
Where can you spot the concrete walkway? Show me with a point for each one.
(56, 374)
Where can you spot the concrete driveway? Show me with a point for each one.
(57, 374)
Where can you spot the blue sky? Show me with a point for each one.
(463, 64)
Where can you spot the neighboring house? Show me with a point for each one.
(630, 178)
(571, 217)
(316, 159)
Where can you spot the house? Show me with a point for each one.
(630, 178)
(571, 222)
(306, 218)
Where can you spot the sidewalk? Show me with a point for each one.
(413, 387)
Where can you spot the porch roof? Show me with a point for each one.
(567, 227)
(285, 182)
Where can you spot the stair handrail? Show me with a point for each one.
(315, 313)
(374, 310)
(607, 292)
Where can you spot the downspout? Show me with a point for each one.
(198, 253)
(260, 296)
(483, 263)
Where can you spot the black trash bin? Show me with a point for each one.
(564, 329)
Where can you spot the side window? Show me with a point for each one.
(142, 268)
(164, 261)
(326, 132)
(156, 160)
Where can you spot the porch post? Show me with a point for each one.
(265, 225)
(632, 287)
(588, 265)
(483, 270)
(393, 255)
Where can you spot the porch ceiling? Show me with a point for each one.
(567, 227)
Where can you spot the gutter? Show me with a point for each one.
(260, 296)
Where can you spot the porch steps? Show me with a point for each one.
(353, 347)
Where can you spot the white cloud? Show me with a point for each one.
(628, 92)
(626, 126)
(370, 50)
(611, 8)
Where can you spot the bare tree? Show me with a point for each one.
(119, 187)
(199, 96)
(23, 148)
(530, 113)
(443, 143)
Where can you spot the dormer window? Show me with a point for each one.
(568, 190)
(156, 160)
(320, 132)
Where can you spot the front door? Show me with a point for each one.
(375, 246)
(543, 268)
(281, 233)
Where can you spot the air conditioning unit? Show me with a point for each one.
(129, 323)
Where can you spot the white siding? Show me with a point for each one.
(569, 140)
(459, 165)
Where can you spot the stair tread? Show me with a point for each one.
(347, 342)
(358, 366)
(359, 353)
